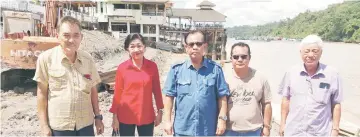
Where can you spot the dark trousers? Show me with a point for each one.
(86, 131)
(129, 130)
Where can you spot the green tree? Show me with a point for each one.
(339, 22)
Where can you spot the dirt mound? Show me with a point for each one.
(100, 45)
(19, 108)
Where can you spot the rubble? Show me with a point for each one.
(100, 45)
(19, 108)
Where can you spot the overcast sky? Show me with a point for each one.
(255, 12)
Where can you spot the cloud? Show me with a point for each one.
(256, 12)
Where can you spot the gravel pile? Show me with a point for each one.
(101, 45)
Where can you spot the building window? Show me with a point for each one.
(149, 9)
(117, 26)
(103, 26)
(134, 28)
(161, 10)
(127, 6)
(101, 7)
(149, 29)
(120, 6)
(134, 6)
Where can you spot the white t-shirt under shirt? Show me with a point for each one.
(247, 96)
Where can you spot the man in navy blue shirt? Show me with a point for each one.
(200, 91)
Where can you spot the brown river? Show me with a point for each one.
(275, 57)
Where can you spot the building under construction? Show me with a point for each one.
(162, 24)
(206, 19)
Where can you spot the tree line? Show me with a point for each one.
(337, 23)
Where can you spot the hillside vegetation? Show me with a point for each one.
(339, 22)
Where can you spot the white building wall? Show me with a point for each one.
(119, 15)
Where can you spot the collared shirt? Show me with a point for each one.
(311, 99)
(69, 88)
(196, 92)
(134, 88)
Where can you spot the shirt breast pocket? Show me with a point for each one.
(322, 95)
(85, 85)
(209, 85)
(183, 87)
(57, 79)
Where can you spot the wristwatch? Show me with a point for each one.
(100, 117)
(161, 111)
(223, 118)
(267, 126)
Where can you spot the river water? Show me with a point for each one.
(274, 58)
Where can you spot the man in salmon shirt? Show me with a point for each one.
(137, 79)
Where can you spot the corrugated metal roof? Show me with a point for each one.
(197, 15)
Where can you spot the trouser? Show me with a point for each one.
(178, 135)
(86, 131)
(129, 130)
(248, 133)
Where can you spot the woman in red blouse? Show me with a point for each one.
(137, 79)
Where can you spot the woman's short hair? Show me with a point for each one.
(132, 37)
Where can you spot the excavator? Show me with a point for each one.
(19, 50)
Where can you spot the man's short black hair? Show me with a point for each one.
(193, 32)
(240, 44)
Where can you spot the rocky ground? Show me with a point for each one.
(18, 106)
(18, 111)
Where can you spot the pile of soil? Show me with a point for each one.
(19, 109)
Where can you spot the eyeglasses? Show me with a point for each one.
(199, 44)
(236, 57)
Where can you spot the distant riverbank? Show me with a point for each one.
(268, 39)
(338, 23)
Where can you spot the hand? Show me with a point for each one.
(46, 131)
(221, 126)
(282, 129)
(115, 125)
(99, 126)
(158, 119)
(265, 132)
(334, 133)
(169, 128)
